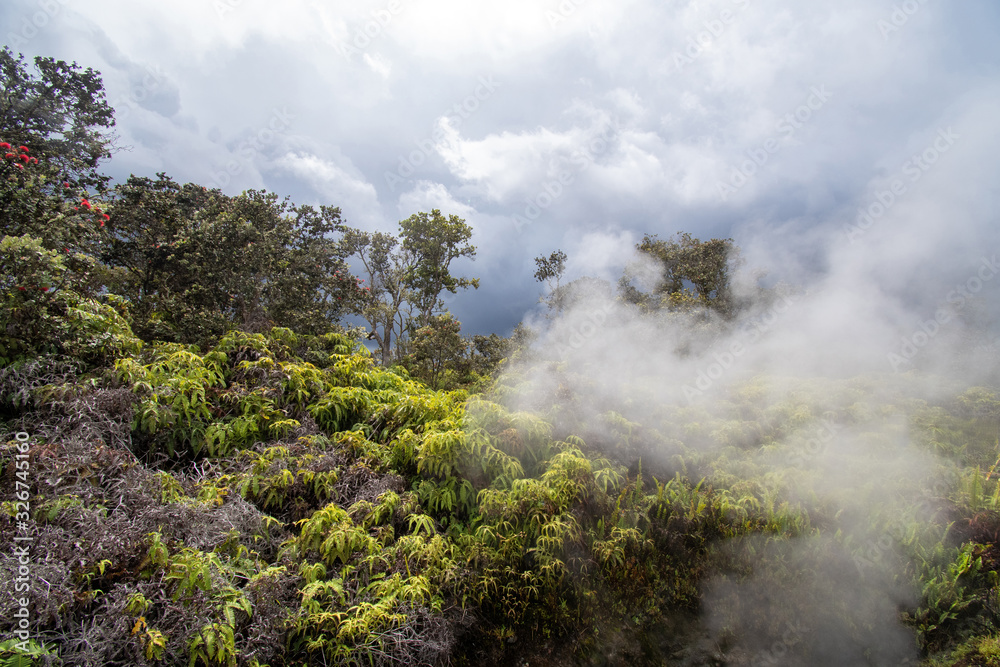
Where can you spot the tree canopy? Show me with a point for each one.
(60, 112)
(691, 273)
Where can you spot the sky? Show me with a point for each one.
(854, 139)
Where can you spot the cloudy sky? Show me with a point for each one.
(580, 124)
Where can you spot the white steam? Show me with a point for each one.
(894, 303)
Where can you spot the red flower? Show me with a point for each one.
(76, 208)
(85, 204)
(23, 149)
(25, 158)
(35, 160)
(20, 288)
(4, 145)
(102, 223)
(20, 166)
(9, 155)
(108, 217)
(44, 289)
(65, 185)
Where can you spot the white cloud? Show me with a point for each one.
(332, 181)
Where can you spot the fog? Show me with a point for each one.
(893, 304)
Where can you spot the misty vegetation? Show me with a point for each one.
(221, 473)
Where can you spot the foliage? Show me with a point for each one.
(433, 242)
(691, 273)
(61, 112)
(195, 263)
(550, 271)
(437, 349)
(408, 273)
(42, 315)
(386, 302)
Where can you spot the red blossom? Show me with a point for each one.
(9, 155)
(4, 145)
(20, 166)
(102, 223)
(23, 149)
(65, 185)
(35, 160)
(85, 204)
(108, 217)
(25, 158)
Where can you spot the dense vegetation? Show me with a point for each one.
(216, 472)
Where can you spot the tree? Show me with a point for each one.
(550, 271)
(407, 274)
(61, 113)
(691, 273)
(432, 242)
(437, 352)
(54, 131)
(551, 268)
(195, 263)
(42, 315)
(384, 302)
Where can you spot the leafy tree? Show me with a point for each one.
(487, 353)
(437, 352)
(385, 302)
(60, 112)
(194, 262)
(551, 268)
(692, 273)
(41, 314)
(29, 207)
(407, 274)
(54, 130)
(432, 242)
(550, 271)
